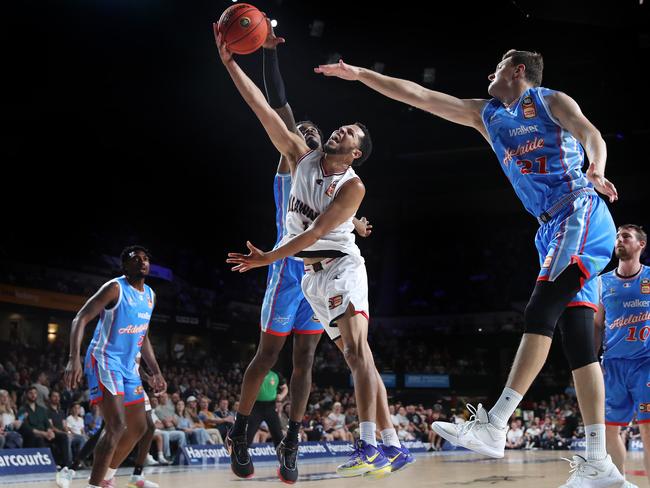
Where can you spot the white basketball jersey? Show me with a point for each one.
(312, 191)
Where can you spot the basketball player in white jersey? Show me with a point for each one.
(326, 194)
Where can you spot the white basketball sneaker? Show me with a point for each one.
(593, 474)
(64, 477)
(477, 434)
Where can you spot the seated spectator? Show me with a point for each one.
(168, 434)
(533, 434)
(433, 415)
(339, 431)
(58, 423)
(9, 425)
(193, 427)
(164, 411)
(210, 420)
(549, 439)
(401, 423)
(417, 426)
(351, 419)
(77, 432)
(165, 407)
(93, 420)
(225, 418)
(42, 385)
(37, 430)
(515, 436)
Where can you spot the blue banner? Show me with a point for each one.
(217, 454)
(26, 461)
(426, 380)
(578, 445)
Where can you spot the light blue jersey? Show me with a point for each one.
(281, 192)
(284, 308)
(542, 160)
(627, 315)
(121, 330)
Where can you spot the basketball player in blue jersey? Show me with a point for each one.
(285, 308)
(325, 195)
(624, 319)
(538, 136)
(125, 305)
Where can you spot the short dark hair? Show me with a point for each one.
(640, 233)
(128, 252)
(309, 122)
(365, 145)
(533, 62)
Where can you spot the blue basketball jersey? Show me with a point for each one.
(627, 315)
(542, 160)
(281, 192)
(121, 330)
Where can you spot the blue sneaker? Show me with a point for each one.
(366, 460)
(399, 457)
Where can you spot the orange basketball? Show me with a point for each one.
(243, 28)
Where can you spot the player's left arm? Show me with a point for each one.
(567, 111)
(287, 142)
(343, 207)
(156, 379)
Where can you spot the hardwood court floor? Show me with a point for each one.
(529, 469)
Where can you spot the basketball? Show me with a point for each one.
(243, 28)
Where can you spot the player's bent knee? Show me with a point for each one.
(539, 319)
(577, 328)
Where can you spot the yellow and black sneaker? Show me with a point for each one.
(367, 461)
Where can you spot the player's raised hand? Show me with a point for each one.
(340, 70)
(362, 226)
(224, 53)
(72, 374)
(602, 184)
(272, 40)
(244, 262)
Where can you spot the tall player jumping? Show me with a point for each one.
(125, 305)
(325, 196)
(538, 136)
(624, 315)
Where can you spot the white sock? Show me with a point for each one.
(368, 433)
(389, 437)
(160, 454)
(110, 472)
(504, 407)
(595, 437)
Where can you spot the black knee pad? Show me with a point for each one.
(577, 328)
(548, 301)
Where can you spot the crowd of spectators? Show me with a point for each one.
(202, 398)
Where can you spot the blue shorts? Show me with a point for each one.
(583, 233)
(627, 390)
(111, 379)
(285, 308)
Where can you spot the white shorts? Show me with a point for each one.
(329, 291)
(147, 403)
